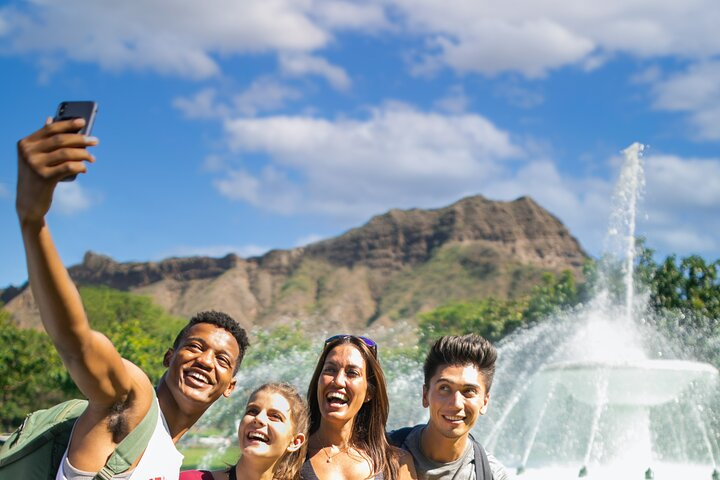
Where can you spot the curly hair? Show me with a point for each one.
(222, 320)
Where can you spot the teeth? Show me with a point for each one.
(453, 418)
(258, 436)
(337, 396)
(199, 377)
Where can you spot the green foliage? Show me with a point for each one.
(494, 318)
(551, 295)
(140, 330)
(489, 317)
(31, 373)
(29, 368)
(268, 343)
(687, 292)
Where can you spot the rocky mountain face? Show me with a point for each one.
(398, 264)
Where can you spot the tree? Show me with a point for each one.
(29, 372)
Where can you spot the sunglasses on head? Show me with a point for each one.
(367, 341)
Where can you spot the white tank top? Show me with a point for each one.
(161, 460)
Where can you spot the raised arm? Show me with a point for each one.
(45, 157)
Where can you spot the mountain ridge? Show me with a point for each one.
(370, 274)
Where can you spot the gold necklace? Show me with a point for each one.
(330, 457)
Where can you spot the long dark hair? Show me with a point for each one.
(368, 432)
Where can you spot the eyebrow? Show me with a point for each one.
(447, 380)
(336, 364)
(270, 410)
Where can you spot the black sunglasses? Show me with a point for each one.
(367, 341)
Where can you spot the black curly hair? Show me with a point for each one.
(222, 320)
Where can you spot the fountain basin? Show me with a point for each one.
(637, 383)
(661, 471)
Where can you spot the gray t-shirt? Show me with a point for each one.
(461, 469)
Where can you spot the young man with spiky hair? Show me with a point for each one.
(201, 365)
(458, 374)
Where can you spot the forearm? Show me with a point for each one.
(55, 294)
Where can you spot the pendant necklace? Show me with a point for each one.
(330, 457)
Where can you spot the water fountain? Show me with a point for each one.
(594, 392)
(591, 392)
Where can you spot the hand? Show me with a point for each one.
(44, 158)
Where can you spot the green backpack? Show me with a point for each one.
(35, 449)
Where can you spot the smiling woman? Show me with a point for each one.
(348, 412)
(271, 434)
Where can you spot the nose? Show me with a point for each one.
(457, 400)
(261, 418)
(339, 379)
(205, 359)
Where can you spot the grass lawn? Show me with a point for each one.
(194, 455)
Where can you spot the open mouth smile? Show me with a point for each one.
(257, 436)
(337, 398)
(454, 418)
(197, 378)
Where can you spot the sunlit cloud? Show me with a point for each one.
(71, 198)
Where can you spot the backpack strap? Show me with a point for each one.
(482, 464)
(396, 438)
(132, 446)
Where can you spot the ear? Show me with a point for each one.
(230, 388)
(167, 357)
(297, 442)
(426, 404)
(483, 409)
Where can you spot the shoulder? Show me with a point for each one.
(497, 468)
(397, 437)
(406, 463)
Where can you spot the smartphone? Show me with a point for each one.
(70, 110)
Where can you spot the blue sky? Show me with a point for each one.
(249, 125)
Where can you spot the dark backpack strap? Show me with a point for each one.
(396, 438)
(132, 446)
(482, 464)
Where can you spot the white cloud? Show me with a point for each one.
(264, 94)
(535, 36)
(358, 15)
(682, 239)
(179, 39)
(402, 157)
(519, 96)
(301, 65)
(71, 198)
(456, 101)
(527, 36)
(396, 156)
(695, 91)
(396, 151)
(4, 191)
(674, 183)
(203, 105)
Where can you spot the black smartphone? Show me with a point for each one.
(70, 110)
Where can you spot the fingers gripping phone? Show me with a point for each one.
(70, 110)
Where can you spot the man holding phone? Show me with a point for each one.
(200, 365)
